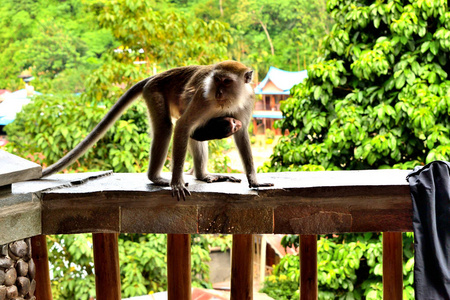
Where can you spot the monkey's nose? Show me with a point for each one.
(219, 95)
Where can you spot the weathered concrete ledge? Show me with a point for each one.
(301, 203)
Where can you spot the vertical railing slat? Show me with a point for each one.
(42, 277)
(308, 267)
(179, 266)
(106, 263)
(392, 266)
(242, 267)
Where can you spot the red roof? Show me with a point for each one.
(200, 294)
(274, 240)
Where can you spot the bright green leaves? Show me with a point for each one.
(59, 123)
(370, 63)
(143, 264)
(166, 37)
(338, 41)
(379, 96)
(349, 267)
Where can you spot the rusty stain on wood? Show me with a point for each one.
(322, 222)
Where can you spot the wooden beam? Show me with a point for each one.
(106, 263)
(15, 169)
(308, 267)
(179, 266)
(242, 267)
(40, 258)
(392, 266)
(299, 203)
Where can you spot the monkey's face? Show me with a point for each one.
(226, 88)
(223, 87)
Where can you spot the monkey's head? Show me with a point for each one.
(229, 83)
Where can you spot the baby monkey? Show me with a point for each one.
(207, 98)
(217, 129)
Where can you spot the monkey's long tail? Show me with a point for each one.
(108, 120)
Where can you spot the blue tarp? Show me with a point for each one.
(13, 104)
(284, 80)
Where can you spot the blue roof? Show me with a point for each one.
(13, 104)
(267, 114)
(284, 80)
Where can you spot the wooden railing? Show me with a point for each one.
(304, 203)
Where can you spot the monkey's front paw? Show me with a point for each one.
(180, 190)
(257, 185)
(218, 178)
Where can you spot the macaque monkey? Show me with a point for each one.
(198, 97)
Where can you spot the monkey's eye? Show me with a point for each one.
(227, 81)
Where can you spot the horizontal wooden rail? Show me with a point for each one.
(305, 203)
(298, 203)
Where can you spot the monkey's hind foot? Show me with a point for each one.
(255, 185)
(218, 178)
(160, 181)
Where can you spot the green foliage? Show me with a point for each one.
(143, 263)
(379, 95)
(283, 283)
(52, 39)
(61, 122)
(71, 262)
(64, 41)
(349, 267)
(162, 35)
(286, 34)
(219, 162)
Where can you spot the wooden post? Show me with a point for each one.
(40, 258)
(242, 267)
(106, 263)
(392, 265)
(179, 266)
(308, 267)
(262, 262)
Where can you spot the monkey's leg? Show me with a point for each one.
(162, 131)
(242, 140)
(199, 152)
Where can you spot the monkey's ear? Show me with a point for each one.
(248, 76)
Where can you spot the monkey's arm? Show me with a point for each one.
(217, 128)
(242, 140)
(180, 143)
